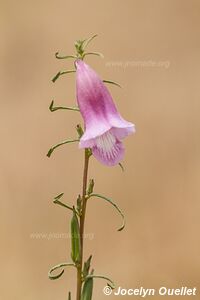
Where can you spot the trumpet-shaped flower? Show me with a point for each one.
(104, 126)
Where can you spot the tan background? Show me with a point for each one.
(159, 192)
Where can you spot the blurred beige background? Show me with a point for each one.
(152, 48)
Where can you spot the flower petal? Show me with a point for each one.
(121, 133)
(108, 149)
(104, 126)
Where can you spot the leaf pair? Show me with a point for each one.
(90, 194)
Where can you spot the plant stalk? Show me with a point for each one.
(82, 223)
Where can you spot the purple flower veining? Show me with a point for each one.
(104, 126)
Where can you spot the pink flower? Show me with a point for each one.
(104, 127)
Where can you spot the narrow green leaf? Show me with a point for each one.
(111, 283)
(87, 289)
(64, 57)
(93, 53)
(62, 73)
(54, 108)
(112, 82)
(87, 41)
(53, 277)
(75, 238)
(113, 204)
(59, 196)
(60, 144)
(57, 201)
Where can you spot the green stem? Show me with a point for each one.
(82, 223)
